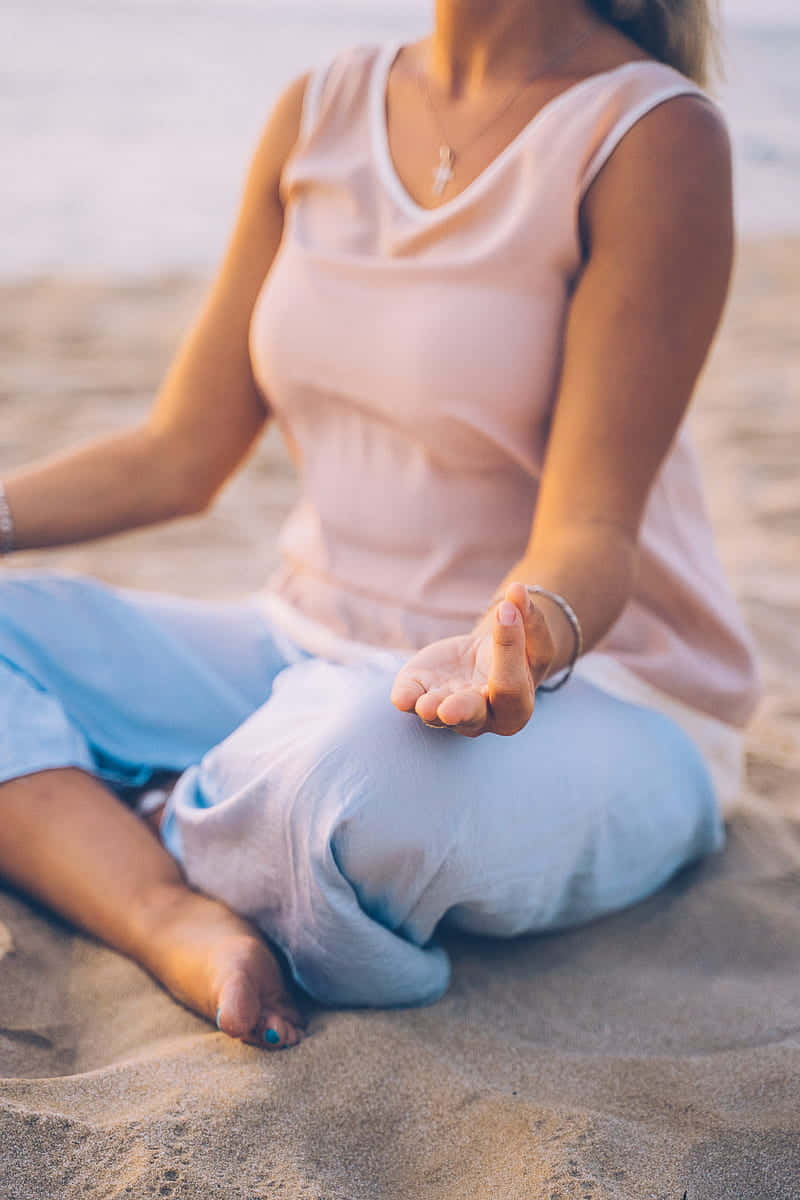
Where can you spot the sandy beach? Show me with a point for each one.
(653, 1055)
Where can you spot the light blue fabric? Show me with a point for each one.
(346, 830)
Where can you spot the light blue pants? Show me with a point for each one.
(346, 830)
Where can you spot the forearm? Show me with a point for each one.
(114, 484)
(593, 567)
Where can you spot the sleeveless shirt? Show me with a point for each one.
(412, 358)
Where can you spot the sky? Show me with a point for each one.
(741, 12)
(745, 12)
(762, 12)
(749, 12)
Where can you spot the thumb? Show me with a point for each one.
(510, 693)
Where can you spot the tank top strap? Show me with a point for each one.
(312, 97)
(634, 91)
(334, 84)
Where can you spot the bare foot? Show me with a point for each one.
(219, 965)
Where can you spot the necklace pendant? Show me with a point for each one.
(444, 172)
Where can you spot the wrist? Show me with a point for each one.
(560, 630)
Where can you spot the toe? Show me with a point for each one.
(238, 1007)
(274, 1032)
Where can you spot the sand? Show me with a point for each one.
(649, 1056)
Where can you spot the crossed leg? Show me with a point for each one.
(72, 844)
(101, 683)
(348, 831)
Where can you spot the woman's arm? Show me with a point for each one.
(208, 412)
(658, 224)
(658, 228)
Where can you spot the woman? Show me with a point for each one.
(475, 279)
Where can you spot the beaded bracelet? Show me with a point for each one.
(6, 524)
(575, 625)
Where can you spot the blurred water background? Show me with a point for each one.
(126, 125)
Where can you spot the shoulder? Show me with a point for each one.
(338, 83)
(671, 124)
(644, 110)
(670, 168)
(280, 134)
(299, 102)
(346, 65)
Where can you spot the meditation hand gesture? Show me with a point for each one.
(483, 681)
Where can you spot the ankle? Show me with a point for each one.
(163, 907)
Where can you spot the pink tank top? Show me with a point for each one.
(412, 358)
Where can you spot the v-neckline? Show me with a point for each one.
(382, 66)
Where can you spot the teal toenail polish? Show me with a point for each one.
(272, 1036)
(219, 1013)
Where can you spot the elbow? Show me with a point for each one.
(195, 495)
(179, 485)
(194, 505)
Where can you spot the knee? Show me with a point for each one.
(42, 600)
(371, 801)
(681, 787)
(329, 776)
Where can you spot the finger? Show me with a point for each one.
(405, 693)
(427, 707)
(538, 639)
(463, 711)
(510, 699)
(517, 593)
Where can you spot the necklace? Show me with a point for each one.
(444, 172)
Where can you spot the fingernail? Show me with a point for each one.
(219, 1013)
(272, 1036)
(507, 613)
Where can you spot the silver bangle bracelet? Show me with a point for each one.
(577, 635)
(6, 524)
(575, 626)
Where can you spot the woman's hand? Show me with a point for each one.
(484, 681)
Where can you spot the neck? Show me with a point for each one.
(476, 43)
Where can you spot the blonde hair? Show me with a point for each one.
(682, 33)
